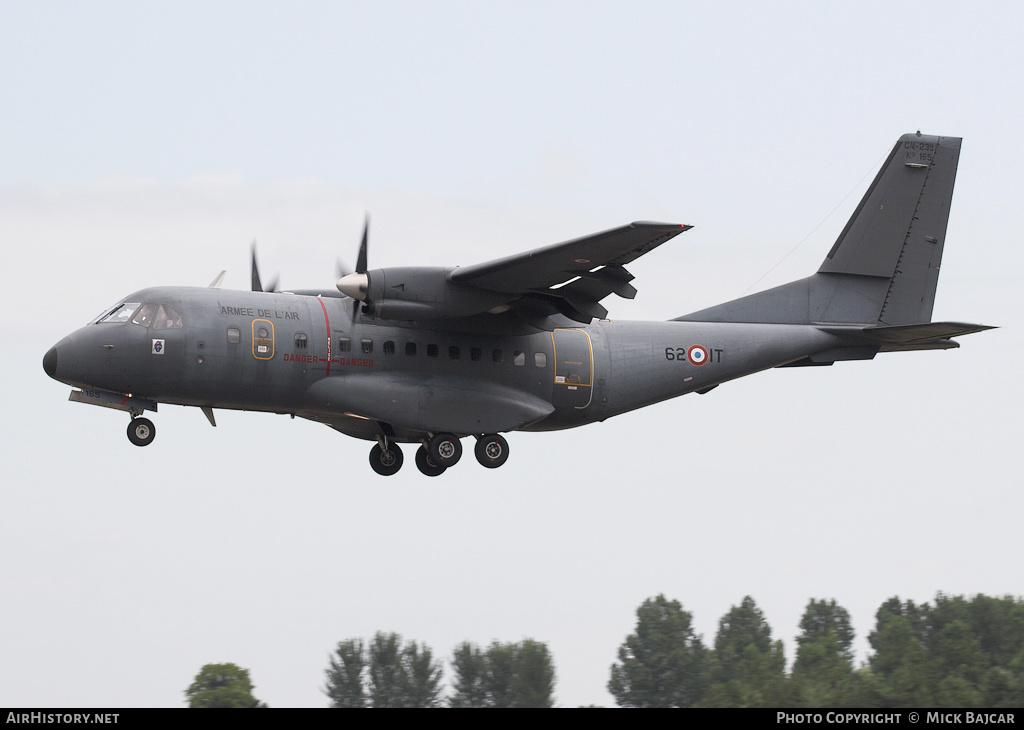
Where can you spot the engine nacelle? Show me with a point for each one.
(418, 293)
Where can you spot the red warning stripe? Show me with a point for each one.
(327, 321)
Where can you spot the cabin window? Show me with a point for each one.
(367, 345)
(158, 317)
(497, 356)
(453, 353)
(475, 354)
(301, 343)
(519, 358)
(344, 344)
(431, 350)
(410, 349)
(389, 347)
(234, 335)
(540, 359)
(120, 313)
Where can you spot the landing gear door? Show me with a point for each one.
(574, 369)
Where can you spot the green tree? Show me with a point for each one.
(470, 685)
(900, 660)
(386, 685)
(222, 685)
(421, 677)
(823, 672)
(505, 675)
(345, 685)
(977, 649)
(535, 675)
(501, 674)
(663, 664)
(748, 668)
(961, 652)
(384, 673)
(998, 624)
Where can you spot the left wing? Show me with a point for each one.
(572, 277)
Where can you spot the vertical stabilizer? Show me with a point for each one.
(899, 228)
(884, 267)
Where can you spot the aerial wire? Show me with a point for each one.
(872, 169)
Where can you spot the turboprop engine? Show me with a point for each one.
(418, 293)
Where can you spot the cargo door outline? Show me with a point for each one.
(574, 368)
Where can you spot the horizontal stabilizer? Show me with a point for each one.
(926, 336)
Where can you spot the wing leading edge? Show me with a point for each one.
(571, 278)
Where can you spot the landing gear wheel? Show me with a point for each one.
(425, 465)
(387, 462)
(141, 431)
(445, 449)
(491, 450)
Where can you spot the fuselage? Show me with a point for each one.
(316, 357)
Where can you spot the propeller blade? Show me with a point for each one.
(256, 284)
(361, 260)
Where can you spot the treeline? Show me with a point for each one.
(388, 673)
(956, 652)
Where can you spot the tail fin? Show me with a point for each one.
(884, 267)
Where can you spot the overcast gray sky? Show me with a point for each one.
(145, 144)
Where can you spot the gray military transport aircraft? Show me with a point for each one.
(428, 356)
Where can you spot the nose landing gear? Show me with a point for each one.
(386, 459)
(141, 431)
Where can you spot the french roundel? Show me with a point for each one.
(697, 355)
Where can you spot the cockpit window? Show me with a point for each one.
(157, 316)
(120, 313)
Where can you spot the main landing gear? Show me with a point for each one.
(141, 431)
(444, 449)
(437, 454)
(426, 465)
(491, 450)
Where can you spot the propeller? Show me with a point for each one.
(256, 283)
(356, 284)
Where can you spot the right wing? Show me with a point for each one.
(572, 277)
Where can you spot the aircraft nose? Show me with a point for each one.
(50, 362)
